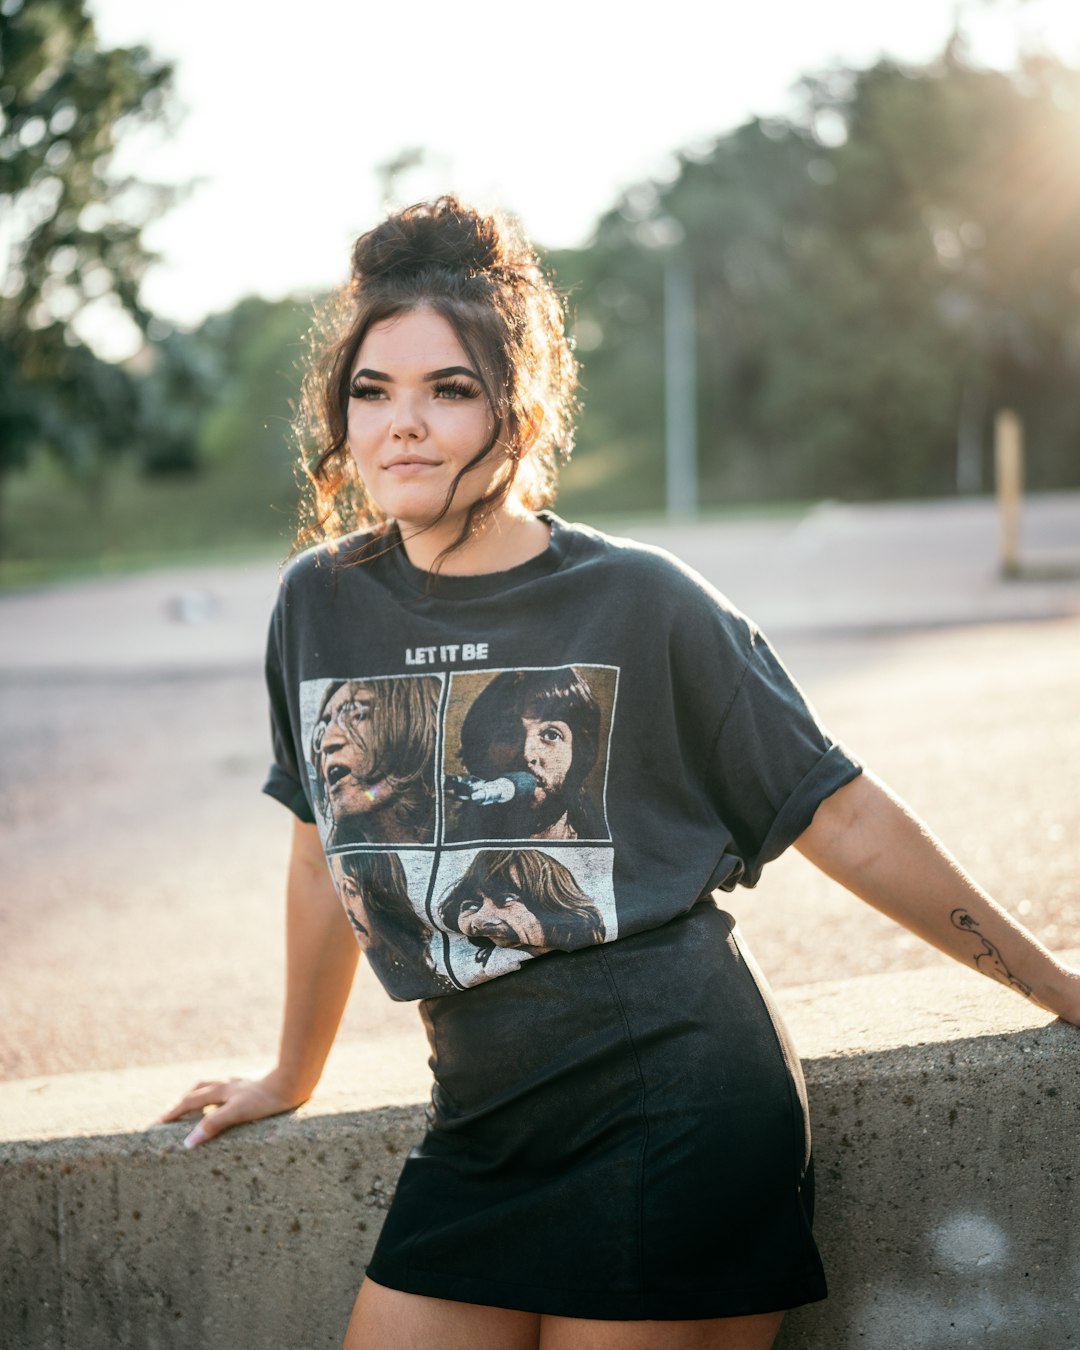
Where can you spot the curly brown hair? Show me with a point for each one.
(479, 274)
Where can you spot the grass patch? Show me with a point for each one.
(55, 529)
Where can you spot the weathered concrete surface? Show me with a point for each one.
(947, 1218)
(944, 1113)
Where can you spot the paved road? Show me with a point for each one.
(140, 919)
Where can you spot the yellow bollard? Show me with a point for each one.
(1009, 474)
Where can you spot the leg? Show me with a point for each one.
(387, 1319)
(715, 1333)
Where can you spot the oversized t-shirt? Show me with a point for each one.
(557, 755)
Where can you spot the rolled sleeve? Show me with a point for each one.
(773, 763)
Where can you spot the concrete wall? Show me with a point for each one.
(946, 1128)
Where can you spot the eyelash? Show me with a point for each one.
(370, 393)
(457, 389)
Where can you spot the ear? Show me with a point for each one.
(532, 428)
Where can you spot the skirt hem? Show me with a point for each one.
(649, 1305)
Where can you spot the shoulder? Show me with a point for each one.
(314, 565)
(318, 569)
(658, 581)
(318, 586)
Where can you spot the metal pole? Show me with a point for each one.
(680, 386)
(1009, 466)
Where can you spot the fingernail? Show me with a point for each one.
(197, 1136)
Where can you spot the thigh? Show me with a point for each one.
(714, 1333)
(387, 1319)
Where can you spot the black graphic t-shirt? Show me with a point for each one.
(557, 755)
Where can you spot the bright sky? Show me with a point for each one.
(547, 109)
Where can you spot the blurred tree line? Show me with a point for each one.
(875, 275)
(213, 402)
(71, 232)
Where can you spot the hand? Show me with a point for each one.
(232, 1101)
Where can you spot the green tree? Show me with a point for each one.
(875, 276)
(957, 197)
(71, 240)
(255, 351)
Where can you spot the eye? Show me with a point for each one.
(455, 389)
(551, 733)
(368, 393)
(510, 898)
(469, 906)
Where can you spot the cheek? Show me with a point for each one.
(356, 746)
(361, 437)
(556, 754)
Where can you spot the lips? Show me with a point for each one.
(408, 465)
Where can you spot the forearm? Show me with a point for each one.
(320, 964)
(867, 840)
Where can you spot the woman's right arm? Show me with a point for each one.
(321, 957)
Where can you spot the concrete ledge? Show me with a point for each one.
(945, 1120)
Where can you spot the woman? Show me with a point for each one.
(618, 1152)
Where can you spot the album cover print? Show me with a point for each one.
(370, 747)
(384, 895)
(499, 907)
(525, 753)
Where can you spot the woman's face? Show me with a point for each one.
(348, 888)
(417, 416)
(342, 753)
(502, 917)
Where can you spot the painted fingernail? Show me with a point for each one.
(197, 1136)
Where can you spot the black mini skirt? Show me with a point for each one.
(618, 1132)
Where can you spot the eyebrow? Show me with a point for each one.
(432, 375)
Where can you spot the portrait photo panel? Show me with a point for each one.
(525, 753)
(384, 895)
(370, 752)
(499, 907)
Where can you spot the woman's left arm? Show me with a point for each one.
(866, 839)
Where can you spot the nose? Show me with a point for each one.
(406, 423)
(533, 747)
(483, 916)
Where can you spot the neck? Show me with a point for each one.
(509, 536)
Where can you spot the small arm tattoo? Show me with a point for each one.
(989, 960)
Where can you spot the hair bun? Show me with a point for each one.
(443, 233)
